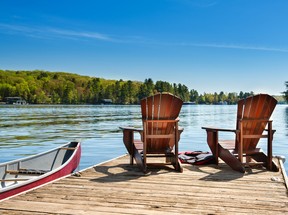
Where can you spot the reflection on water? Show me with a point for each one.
(286, 119)
(26, 130)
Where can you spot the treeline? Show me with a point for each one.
(42, 87)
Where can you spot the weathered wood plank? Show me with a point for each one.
(116, 187)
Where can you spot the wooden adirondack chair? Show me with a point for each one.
(253, 123)
(160, 134)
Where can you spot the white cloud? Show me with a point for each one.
(47, 32)
(79, 34)
(16, 28)
(234, 46)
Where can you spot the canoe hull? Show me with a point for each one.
(67, 168)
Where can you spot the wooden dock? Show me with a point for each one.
(115, 187)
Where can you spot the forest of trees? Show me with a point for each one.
(42, 87)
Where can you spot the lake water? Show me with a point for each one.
(27, 130)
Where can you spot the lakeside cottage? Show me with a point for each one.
(15, 100)
(107, 101)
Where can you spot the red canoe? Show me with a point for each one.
(22, 175)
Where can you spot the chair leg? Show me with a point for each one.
(218, 151)
(212, 140)
(139, 160)
(269, 146)
(178, 167)
(128, 139)
(230, 159)
(262, 157)
(175, 162)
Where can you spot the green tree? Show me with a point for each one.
(132, 92)
(163, 86)
(232, 98)
(69, 96)
(216, 99)
(194, 96)
(40, 98)
(124, 94)
(209, 98)
(222, 97)
(96, 89)
(23, 90)
(201, 99)
(183, 92)
(146, 89)
(7, 90)
(117, 91)
(59, 87)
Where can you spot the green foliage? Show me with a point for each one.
(42, 87)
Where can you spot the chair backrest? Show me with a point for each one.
(253, 108)
(161, 106)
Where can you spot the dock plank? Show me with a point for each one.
(115, 187)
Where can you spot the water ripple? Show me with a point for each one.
(26, 130)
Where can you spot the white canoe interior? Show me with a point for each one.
(18, 172)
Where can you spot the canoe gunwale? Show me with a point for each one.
(51, 175)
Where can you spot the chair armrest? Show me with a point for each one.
(131, 129)
(128, 139)
(214, 129)
(273, 130)
(161, 120)
(255, 120)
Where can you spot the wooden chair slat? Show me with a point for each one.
(160, 129)
(253, 117)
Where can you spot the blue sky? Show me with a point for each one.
(208, 45)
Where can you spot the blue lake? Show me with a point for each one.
(27, 130)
